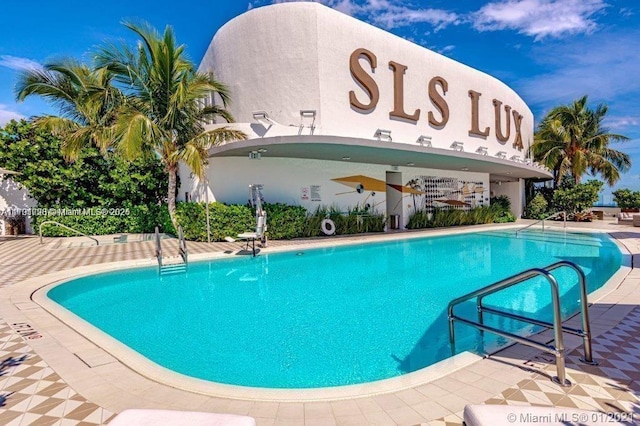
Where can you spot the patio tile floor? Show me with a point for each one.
(32, 392)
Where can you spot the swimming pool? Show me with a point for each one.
(328, 317)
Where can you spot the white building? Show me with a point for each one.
(339, 112)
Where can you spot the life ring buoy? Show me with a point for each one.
(328, 227)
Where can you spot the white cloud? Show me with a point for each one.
(390, 13)
(626, 12)
(401, 16)
(617, 123)
(446, 49)
(605, 73)
(539, 18)
(17, 63)
(7, 115)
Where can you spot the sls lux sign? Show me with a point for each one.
(437, 90)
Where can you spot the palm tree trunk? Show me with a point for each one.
(171, 196)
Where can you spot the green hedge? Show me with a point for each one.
(355, 220)
(137, 219)
(452, 217)
(283, 221)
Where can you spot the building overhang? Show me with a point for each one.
(354, 150)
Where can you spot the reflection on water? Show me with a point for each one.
(330, 317)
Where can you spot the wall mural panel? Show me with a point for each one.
(447, 192)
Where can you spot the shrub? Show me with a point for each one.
(138, 219)
(501, 206)
(451, 217)
(577, 198)
(627, 199)
(537, 207)
(284, 221)
(501, 201)
(355, 220)
(420, 219)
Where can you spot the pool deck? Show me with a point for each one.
(49, 374)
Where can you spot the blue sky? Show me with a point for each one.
(550, 51)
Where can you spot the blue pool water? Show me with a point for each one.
(328, 317)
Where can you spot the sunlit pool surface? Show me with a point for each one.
(334, 316)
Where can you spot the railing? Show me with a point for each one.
(558, 348)
(158, 248)
(182, 251)
(182, 245)
(52, 222)
(543, 219)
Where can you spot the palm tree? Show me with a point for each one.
(163, 110)
(571, 141)
(86, 99)
(141, 101)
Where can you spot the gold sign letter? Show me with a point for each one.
(366, 81)
(517, 120)
(398, 93)
(438, 101)
(475, 119)
(507, 111)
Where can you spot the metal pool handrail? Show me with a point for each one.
(182, 245)
(158, 247)
(53, 222)
(558, 348)
(543, 219)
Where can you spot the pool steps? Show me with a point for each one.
(173, 267)
(557, 349)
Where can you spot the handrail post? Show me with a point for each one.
(561, 377)
(586, 327)
(584, 311)
(158, 247)
(452, 337)
(558, 349)
(480, 320)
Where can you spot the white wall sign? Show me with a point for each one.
(315, 193)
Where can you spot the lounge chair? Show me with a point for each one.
(510, 415)
(251, 237)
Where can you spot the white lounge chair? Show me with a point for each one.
(510, 415)
(261, 226)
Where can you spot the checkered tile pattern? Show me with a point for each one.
(25, 257)
(611, 386)
(31, 393)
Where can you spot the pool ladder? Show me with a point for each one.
(557, 349)
(564, 219)
(172, 268)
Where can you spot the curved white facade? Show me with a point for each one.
(329, 83)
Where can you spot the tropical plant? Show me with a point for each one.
(138, 101)
(577, 198)
(571, 141)
(164, 111)
(626, 198)
(93, 180)
(85, 98)
(537, 207)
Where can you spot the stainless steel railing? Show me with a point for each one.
(158, 248)
(558, 348)
(182, 252)
(53, 222)
(182, 245)
(542, 220)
